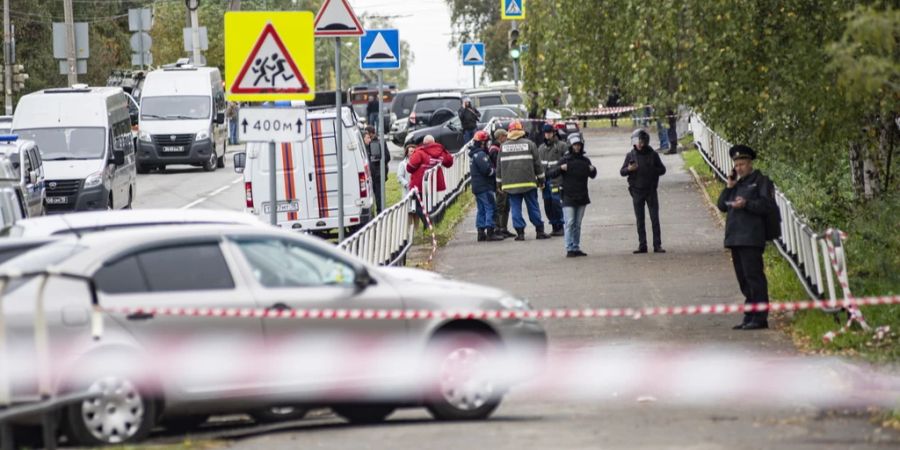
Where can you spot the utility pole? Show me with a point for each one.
(70, 41)
(192, 6)
(7, 59)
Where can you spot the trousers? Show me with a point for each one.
(531, 203)
(650, 198)
(748, 267)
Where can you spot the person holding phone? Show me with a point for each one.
(748, 196)
(643, 167)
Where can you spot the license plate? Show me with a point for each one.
(291, 206)
(172, 149)
(57, 200)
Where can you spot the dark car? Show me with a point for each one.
(449, 134)
(434, 109)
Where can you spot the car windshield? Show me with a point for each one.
(498, 112)
(430, 105)
(58, 144)
(514, 99)
(182, 107)
(489, 100)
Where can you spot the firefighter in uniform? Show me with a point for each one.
(520, 174)
(551, 151)
(747, 198)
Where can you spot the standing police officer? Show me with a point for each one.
(643, 168)
(750, 195)
(551, 151)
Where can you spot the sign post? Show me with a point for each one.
(473, 55)
(336, 19)
(380, 49)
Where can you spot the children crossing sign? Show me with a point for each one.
(269, 56)
(512, 9)
(473, 54)
(379, 49)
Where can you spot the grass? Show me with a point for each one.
(187, 444)
(808, 327)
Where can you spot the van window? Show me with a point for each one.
(489, 100)
(432, 104)
(67, 143)
(182, 107)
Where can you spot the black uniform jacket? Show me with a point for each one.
(574, 178)
(746, 227)
(650, 168)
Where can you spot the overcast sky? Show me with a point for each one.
(425, 24)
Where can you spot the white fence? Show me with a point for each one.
(800, 245)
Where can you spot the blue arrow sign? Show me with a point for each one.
(473, 54)
(379, 49)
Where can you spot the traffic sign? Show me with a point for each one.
(379, 49)
(473, 54)
(336, 19)
(512, 9)
(269, 56)
(272, 124)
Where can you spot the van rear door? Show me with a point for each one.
(320, 161)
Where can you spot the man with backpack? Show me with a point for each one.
(749, 200)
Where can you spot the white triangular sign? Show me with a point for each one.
(473, 55)
(269, 68)
(336, 18)
(513, 8)
(380, 51)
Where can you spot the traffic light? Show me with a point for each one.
(19, 77)
(514, 50)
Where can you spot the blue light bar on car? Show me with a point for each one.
(9, 137)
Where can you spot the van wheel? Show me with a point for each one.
(211, 164)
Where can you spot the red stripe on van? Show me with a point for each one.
(319, 162)
(287, 156)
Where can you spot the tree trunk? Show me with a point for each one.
(856, 169)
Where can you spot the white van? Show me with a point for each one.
(84, 137)
(182, 119)
(306, 176)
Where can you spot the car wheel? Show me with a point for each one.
(210, 164)
(364, 414)
(460, 392)
(274, 414)
(120, 413)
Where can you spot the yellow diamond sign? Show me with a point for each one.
(269, 56)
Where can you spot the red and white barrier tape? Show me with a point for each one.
(855, 315)
(434, 243)
(558, 313)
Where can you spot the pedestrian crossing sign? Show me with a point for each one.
(473, 54)
(512, 9)
(269, 56)
(379, 49)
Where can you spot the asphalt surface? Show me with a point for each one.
(696, 269)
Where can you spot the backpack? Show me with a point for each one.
(773, 213)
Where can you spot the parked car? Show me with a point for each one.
(86, 145)
(25, 159)
(483, 98)
(12, 200)
(434, 109)
(449, 134)
(206, 266)
(96, 221)
(307, 176)
(182, 118)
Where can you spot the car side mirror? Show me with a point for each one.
(220, 118)
(362, 279)
(118, 157)
(240, 162)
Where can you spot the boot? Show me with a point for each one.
(520, 234)
(558, 231)
(481, 235)
(493, 235)
(498, 232)
(506, 233)
(540, 234)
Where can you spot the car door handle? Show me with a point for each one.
(280, 307)
(140, 316)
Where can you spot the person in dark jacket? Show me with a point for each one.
(469, 116)
(372, 110)
(643, 167)
(551, 151)
(484, 183)
(673, 132)
(501, 213)
(376, 152)
(748, 197)
(575, 169)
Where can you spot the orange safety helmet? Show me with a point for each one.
(515, 125)
(481, 136)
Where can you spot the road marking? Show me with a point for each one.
(212, 194)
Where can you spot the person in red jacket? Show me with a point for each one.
(429, 154)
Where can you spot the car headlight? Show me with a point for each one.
(93, 180)
(515, 304)
(144, 136)
(201, 135)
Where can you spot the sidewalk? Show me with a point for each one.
(695, 270)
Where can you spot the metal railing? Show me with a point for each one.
(386, 239)
(804, 249)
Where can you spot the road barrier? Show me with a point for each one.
(804, 249)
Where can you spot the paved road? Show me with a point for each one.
(696, 269)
